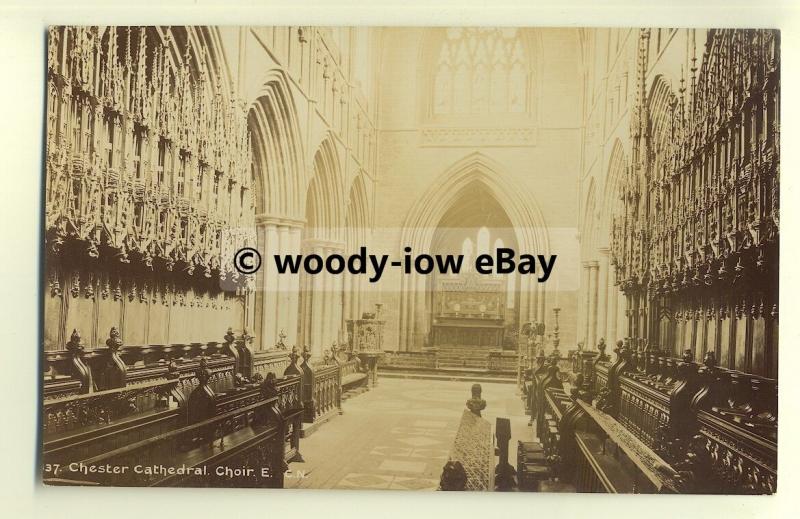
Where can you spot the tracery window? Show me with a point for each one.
(481, 70)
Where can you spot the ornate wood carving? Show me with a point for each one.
(148, 154)
(696, 227)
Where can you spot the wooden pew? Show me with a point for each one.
(256, 427)
(162, 402)
(353, 374)
(674, 426)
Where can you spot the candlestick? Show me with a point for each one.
(556, 340)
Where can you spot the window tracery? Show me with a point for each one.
(481, 70)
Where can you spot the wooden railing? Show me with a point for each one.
(327, 390)
(323, 384)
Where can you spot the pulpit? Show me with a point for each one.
(366, 341)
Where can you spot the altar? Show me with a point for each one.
(469, 311)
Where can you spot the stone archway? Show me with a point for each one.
(279, 176)
(320, 315)
(425, 216)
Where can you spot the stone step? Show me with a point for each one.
(472, 363)
(459, 357)
(451, 374)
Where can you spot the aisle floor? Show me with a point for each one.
(398, 435)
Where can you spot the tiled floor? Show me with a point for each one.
(398, 435)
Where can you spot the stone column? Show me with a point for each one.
(282, 313)
(327, 305)
(602, 295)
(355, 310)
(420, 313)
(525, 286)
(533, 302)
(592, 331)
(542, 301)
(317, 317)
(270, 288)
(293, 288)
(348, 282)
(583, 305)
(611, 315)
(338, 301)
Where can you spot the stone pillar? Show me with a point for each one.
(270, 307)
(420, 310)
(327, 305)
(542, 312)
(282, 313)
(524, 298)
(293, 294)
(317, 317)
(533, 310)
(611, 314)
(602, 295)
(592, 313)
(348, 282)
(338, 301)
(355, 310)
(407, 312)
(583, 305)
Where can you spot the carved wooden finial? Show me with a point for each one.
(229, 336)
(710, 359)
(293, 355)
(114, 341)
(75, 343)
(203, 373)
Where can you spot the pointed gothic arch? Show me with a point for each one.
(277, 150)
(422, 221)
(325, 205)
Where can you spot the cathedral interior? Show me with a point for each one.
(646, 160)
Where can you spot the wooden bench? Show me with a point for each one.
(352, 375)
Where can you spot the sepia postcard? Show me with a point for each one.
(411, 258)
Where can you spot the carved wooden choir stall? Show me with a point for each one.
(689, 402)
(148, 194)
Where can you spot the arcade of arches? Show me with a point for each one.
(646, 160)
